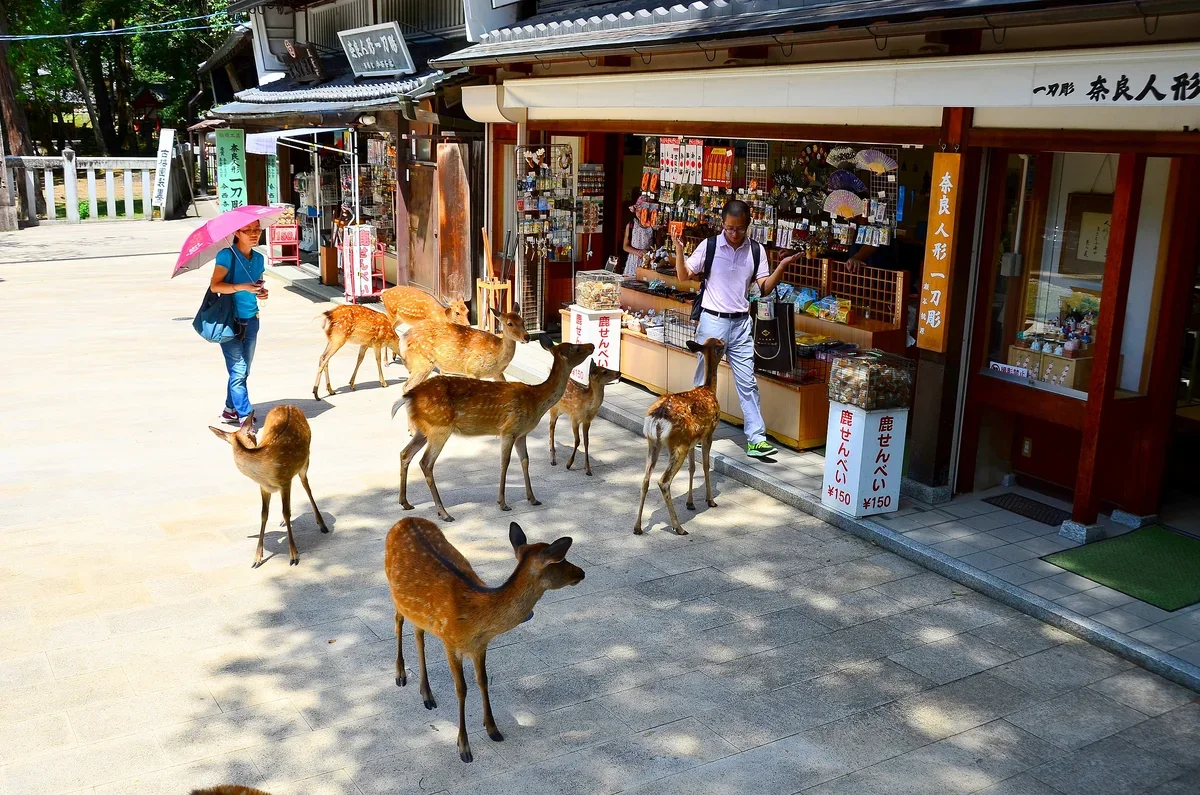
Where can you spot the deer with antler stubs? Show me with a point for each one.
(410, 306)
(358, 324)
(435, 588)
(272, 459)
(679, 421)
(446, 405)
(461, 350)
(581, 404)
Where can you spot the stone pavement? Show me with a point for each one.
(767, 652)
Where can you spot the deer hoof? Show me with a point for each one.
(324, 529)
(555, 463)
(447, 518)
(295, 562)
(496, 736)
(316, 396)
(430, 703)
(691, 506)
(588, 473)
(637, 531)
(679, 531)
(256, 564)
(405, 505)
(712, 503)
(504, 507)
(465, 755)
(401, 680)
(534, 502)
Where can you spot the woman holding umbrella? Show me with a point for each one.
(239, 271)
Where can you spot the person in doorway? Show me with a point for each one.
(639, 238)
(239, 272)
(728, 264)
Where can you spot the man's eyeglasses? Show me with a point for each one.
(736, 230)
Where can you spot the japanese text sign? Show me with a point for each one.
(602, 328)
(864, 456)
(939, 252)
(231, 169)
(303, 63)
(162, 167)
(272, 179)
(377, 50)
(1121, 84)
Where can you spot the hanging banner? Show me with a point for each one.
(231, 169)
(162, 169)
(272, 179)
(939, 252)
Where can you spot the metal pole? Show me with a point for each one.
(354, 169)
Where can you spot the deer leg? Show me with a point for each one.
(401, 676)
(427, 461)
(308, 491)
(406, 456)
(506, 446)
(553, 422)
(651, 459)
(479, 661)
(362, 352)
(500, 376)
(691, 506)
(460, 687)
(426, 693)
(379, 365)
(285, 495)
(418, 371)
(587, 459)
(706, 446)
(331, 348)
(262, 531)
(523, 452)
(575, 449)
(664, 485)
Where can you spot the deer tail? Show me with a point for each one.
(403, 401)
(656, 426)
(328, 315)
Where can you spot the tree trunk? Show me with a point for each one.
(95, 70)
(16, 125)
(87, 99)
(123, 91)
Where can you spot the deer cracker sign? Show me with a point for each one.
(377, 50)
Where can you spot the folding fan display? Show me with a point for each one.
(875, 161)
(840, 156)
(844, 180)
(843, 204)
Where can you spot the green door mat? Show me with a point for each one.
(1152, 564)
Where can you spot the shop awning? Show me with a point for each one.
(265, 143)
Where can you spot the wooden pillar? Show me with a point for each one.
(403, 192)
(1118, 264)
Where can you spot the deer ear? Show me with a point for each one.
(221, 434)
(591, 367)
(692, 346)
(492, 311)
(557, 552)
(546, 342)
(516, 536)
(516, 308)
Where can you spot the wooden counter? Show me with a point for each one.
(863, 333)
(645, 302)
(648, 275)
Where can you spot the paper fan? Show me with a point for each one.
(840, 156)
(843, 203)
(844, 180)
(874, 160)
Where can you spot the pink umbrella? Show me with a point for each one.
(217, 233)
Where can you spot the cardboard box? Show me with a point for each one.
(329, 266)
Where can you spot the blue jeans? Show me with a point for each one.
(239, 353)
(737, 334)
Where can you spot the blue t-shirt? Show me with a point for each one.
(239, 271)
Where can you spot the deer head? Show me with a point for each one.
(243, 436)
(713, 350)
(457, 311)
(512, 324)
(547, 563)
(601, 375)
(571, 353)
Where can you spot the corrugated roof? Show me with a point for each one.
(628, 23)
(237, 38)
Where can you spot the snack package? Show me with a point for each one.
(872, 380)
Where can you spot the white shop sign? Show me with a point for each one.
(1009, 369)
(864, 457)
(162, 167)
(358, 251)
(602, 328)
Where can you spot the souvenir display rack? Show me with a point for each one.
(545, 197)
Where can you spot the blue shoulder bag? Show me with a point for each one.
(217, 319)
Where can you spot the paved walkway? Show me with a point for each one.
(767, 652)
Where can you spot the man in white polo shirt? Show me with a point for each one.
(733, 265)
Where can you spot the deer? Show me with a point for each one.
(446, 405)
(680, 421)
(582, 404)
(358, 324)
(272, 463)
(410, 306)
(435, 588)
(229, 789)
(461, 350)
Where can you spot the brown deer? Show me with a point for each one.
(410, 305)
(461, 350)
(435, 588)
(229, 789)
(446, 405)
(272, 463)
(679, 421)
(581, 404)
(358, 324)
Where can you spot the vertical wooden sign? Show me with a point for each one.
(940, 244)
(231, 169)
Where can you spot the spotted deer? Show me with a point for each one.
(582, 404)
(281, 455)
(461, 350)
(435, 588)
(410, 305)
(358, 324)
(680, 421)
(446, 405)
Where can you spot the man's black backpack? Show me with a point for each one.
(710, 253)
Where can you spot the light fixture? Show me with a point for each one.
(367, 119)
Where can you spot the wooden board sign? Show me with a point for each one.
(940, 245)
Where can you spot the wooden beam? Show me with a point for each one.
(927, 136)
(1104, 141)
(1118, 265)
(520, 68)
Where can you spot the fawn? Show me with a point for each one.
(679, 421)
(581, 404)
(272, 463)
(461, 350)
(446, 405)
(358, 324)
(435, 588)
(410, 306)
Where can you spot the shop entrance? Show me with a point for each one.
(1181, 497)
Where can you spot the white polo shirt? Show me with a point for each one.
(730, 278)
